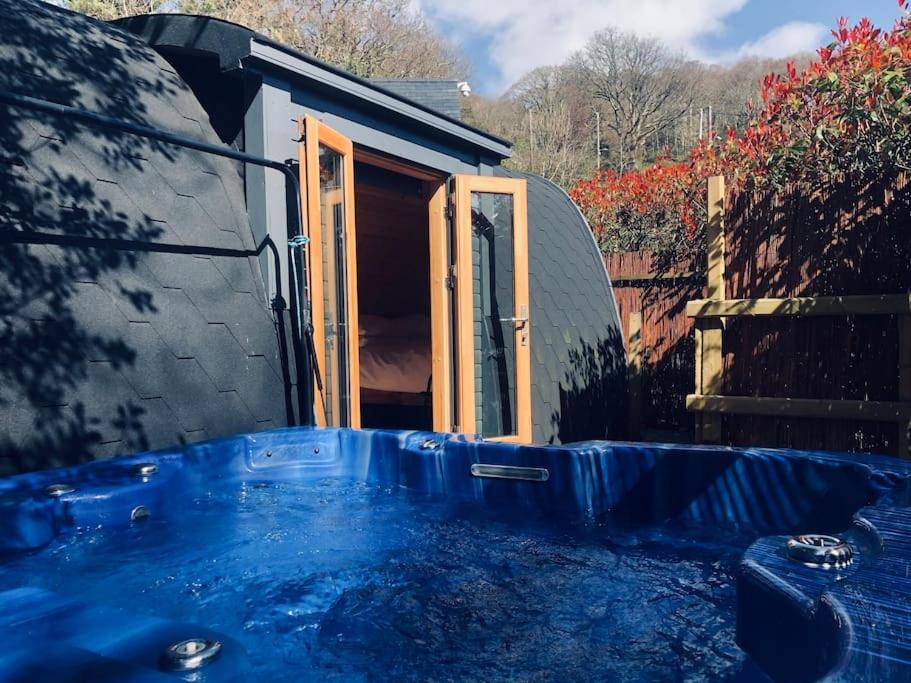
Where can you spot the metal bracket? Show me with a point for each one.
(278, 303)
(298, 242)
(451, 278)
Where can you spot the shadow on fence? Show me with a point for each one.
(850, 237)
(644, 283)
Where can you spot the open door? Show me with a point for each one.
(327, 168)
(493, 354)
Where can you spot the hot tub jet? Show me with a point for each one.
(190, 654)
(820, 551)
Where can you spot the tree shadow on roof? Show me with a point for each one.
(79, 207)
(593, 392)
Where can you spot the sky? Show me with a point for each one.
(504, 39)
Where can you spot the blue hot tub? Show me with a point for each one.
(312, 554)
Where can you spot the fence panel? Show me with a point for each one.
(660, 293)
(847, 238)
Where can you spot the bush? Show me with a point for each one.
(847, 114)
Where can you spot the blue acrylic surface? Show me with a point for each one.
(334, 555)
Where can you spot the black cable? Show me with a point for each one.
(305, 326)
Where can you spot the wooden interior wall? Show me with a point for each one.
(393, 252)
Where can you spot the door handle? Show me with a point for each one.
(521, 323)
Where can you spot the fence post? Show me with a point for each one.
(634, 374)
(904, 381)
(708, 334)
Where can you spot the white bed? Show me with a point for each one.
(395, 354)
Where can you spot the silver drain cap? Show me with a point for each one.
(139, 513)
(190, 654)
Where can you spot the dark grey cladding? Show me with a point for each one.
(120, 328)
(578, 364)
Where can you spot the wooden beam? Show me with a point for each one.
(396, 165)
(711, 367)
(440, 311)
(875, 411)
(634, 374)
(715, 239)
(882, 304)
(712, 371)
(697, 383)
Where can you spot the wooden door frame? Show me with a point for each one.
(440, 309)
(517, 187)
(314, 134)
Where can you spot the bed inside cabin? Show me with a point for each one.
(393, 282)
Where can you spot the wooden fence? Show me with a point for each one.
(804, 322)
(652, 297)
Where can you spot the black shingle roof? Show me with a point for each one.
(232, 43)
(107, 347)
(441, 96)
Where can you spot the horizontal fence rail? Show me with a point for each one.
(884, 304)
(712, 314)
(877, 411)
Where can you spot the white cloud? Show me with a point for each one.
(524, 34)
(787, 39)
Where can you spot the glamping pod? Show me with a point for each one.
(156, 292)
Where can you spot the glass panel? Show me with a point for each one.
(493, 267)
(332, 223)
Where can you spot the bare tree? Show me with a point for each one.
(640, 86)
(547, 115)
(555, 133)
(370, 38)
(114, 9)
(376, 38)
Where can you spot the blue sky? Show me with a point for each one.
(505, 38)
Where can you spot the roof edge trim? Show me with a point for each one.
(272, 53)
(234, 43)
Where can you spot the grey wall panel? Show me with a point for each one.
(366, 97)
(269, 132)
(578, 361)
(121, 328)
(375, 129)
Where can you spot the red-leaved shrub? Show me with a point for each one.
(847, 113)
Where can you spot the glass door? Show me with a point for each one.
(493, 354)
(327, 165)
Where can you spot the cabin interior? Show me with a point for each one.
(393, 287)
